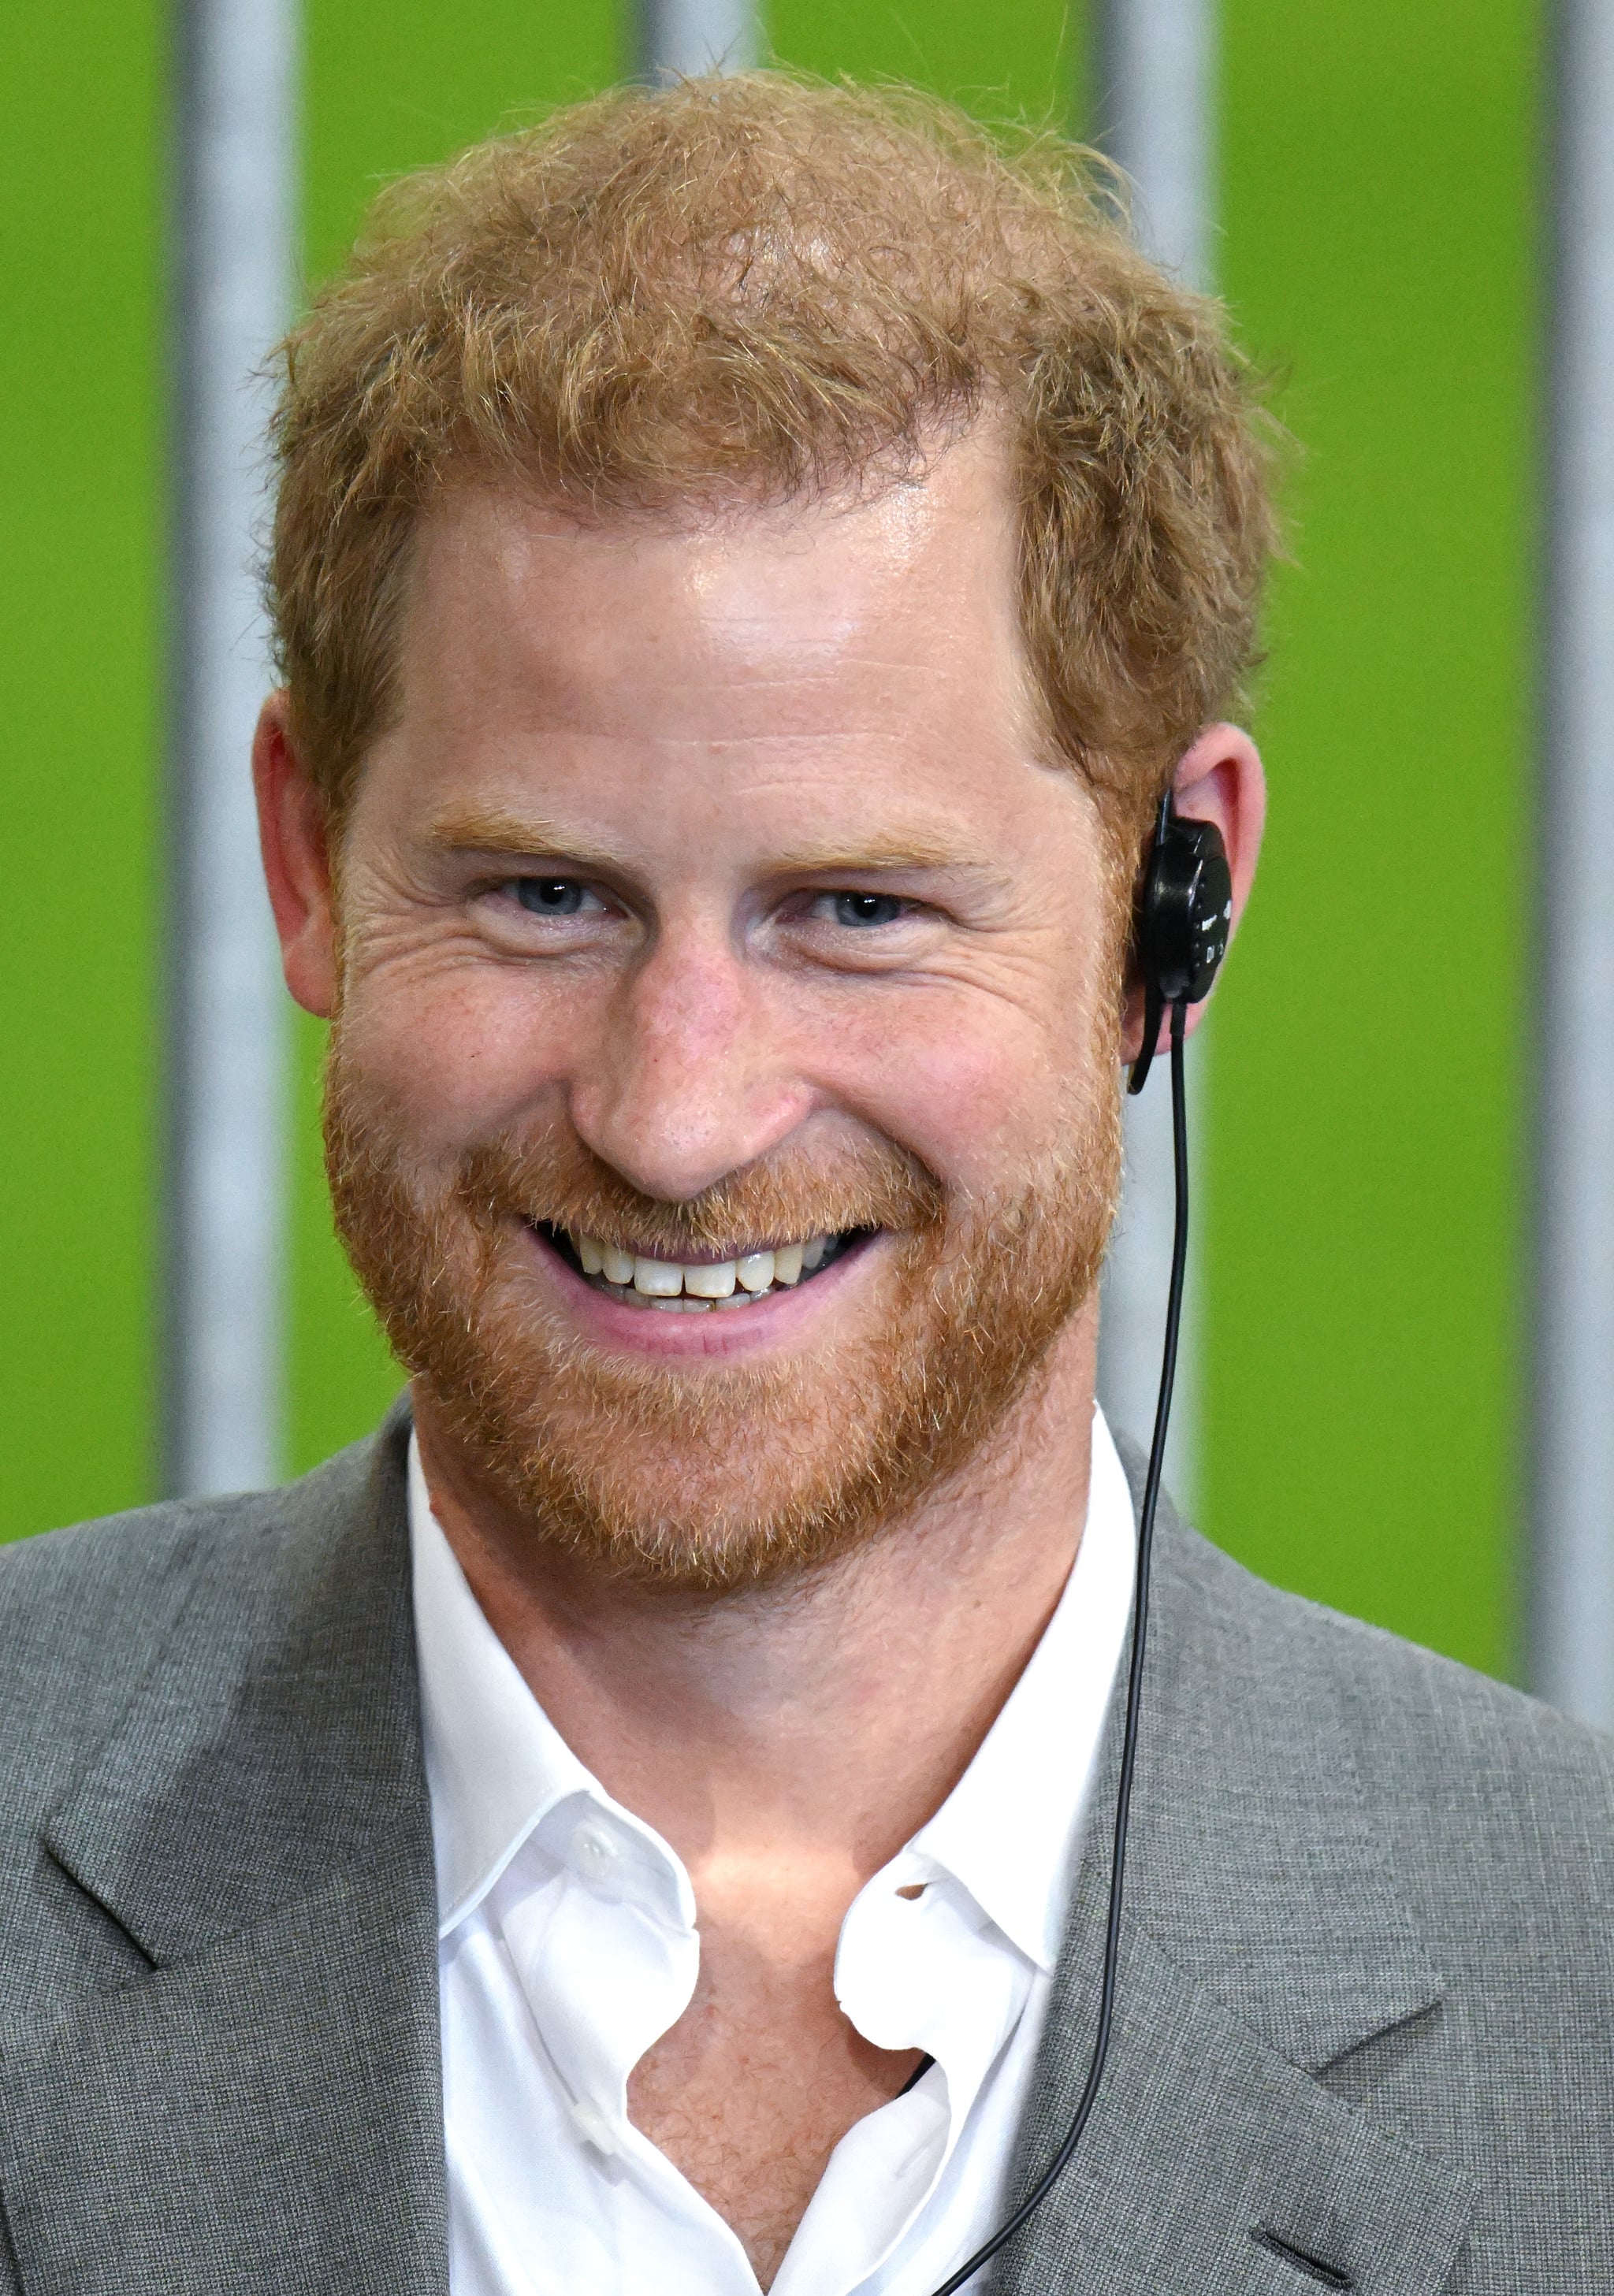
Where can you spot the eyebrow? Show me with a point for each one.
(876, 853)
(491, 829)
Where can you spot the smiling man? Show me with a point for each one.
(749, 562)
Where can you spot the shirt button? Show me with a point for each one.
(596, 2128)
(593, 1853)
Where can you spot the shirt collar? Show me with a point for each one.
(495, 1766)
(1007, 1829)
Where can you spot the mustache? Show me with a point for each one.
(555, 1180)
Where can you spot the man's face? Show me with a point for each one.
(707, 907)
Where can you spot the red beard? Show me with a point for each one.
(716, 1474)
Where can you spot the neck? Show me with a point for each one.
(822, 1722)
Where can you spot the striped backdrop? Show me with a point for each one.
(1363, 1368)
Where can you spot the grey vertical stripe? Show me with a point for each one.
(1155, 92)
(236, 153)
(1572, 1624)
(1154, 112)
(679, 36)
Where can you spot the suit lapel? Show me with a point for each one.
(1264, 1940)
(1212, 2162)
(261, 2109)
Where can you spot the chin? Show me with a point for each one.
(721, 1504)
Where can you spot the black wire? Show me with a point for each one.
(1134, 1681)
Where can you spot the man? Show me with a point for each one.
(748, 561)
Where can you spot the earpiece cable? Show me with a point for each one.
(1134, 1682)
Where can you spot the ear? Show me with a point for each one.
(1219, 779)
(293, 833)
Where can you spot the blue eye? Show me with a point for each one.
(550, 897)
(865, 908)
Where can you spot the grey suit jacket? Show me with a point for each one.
(1367, 1995)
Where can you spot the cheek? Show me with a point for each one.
(973, 1089)
(462, 1050)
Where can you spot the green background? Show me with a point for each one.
(1379, 209)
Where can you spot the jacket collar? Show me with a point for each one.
(276, 1738)
(1264, 1940)
(1258, 1866)
(262, 2110)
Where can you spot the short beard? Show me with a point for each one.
(715, 1476)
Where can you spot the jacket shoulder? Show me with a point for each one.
(87, 1611)
(1490, 1802)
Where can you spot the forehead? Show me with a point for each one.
(669, 609)
(856, 657)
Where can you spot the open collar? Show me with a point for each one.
(1005, 1830)
(497, 1766)
(496, 1763)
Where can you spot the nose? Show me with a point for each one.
(687, 1081)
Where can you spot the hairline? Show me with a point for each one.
(693, 509)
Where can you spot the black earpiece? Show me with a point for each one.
(1184, 914)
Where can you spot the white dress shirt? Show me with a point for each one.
(569, 1946)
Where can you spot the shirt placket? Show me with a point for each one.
(923, 1970)
(606, 1964)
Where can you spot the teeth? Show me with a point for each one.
(709, 1283)
(693, 1290)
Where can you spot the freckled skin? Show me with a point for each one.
(710, 730)
(733, 686)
